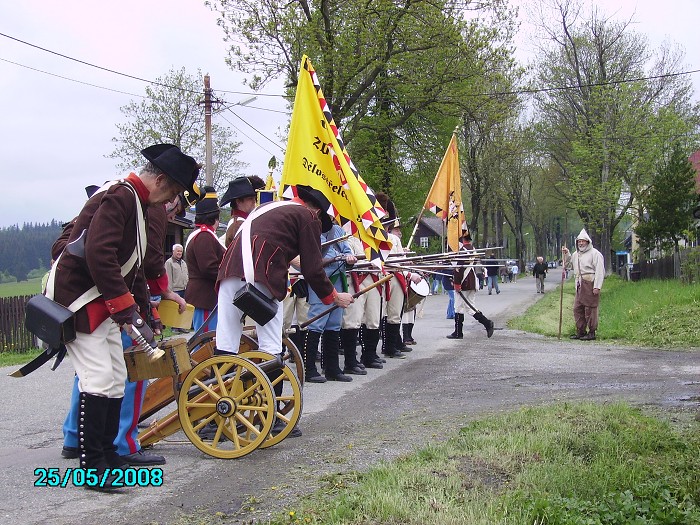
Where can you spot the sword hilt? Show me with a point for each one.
(145, 339)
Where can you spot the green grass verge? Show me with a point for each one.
(658, 313)
(565, 464)
(28, 287)
(11, 358)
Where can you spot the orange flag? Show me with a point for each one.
(445, 196)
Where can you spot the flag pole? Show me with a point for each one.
(415, 228)
(425, 204)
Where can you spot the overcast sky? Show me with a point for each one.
(55, 133)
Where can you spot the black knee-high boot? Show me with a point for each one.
(310, 351)
(348, 341)
(393, 336)
(331, 345)
(111, 430)
(369, 338)
(297, 338)
(488, 324)
(92, 419)
(459, 323)
(408, 334)
(385, 338)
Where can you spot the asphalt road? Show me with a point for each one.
(346, 426)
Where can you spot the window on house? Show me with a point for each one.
(424, 242)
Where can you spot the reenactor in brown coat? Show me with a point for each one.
(104, 251)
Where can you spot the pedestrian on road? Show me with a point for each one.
(539, 272)
(589, 271)
(491, 267)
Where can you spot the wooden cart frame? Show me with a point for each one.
(233, 397)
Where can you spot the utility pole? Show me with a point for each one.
(208, 168)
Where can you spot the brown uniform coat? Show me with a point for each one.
(278, 237)
(203, 255)
(110, 220)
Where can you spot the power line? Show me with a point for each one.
(253, 128)
(247, 136)
(96, 66)
(71, 79)
(595, 84)
(491, 94)
(123, 74)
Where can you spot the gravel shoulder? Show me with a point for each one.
(346, 427)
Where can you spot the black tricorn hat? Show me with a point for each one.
(90, 190)
(318, 199)
(181, 168)
(208, 204)
(237, 189)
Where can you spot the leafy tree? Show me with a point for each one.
(601, 130)
(669, 203)
(172, 112)
(395, 74)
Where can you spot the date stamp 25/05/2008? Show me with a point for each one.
(80, 477)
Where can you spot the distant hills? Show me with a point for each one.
(25, 249)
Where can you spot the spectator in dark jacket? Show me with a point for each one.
(539, 271)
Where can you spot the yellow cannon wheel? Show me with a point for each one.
(236, 394)
(194, 342)
(292, 357)
(289, 403)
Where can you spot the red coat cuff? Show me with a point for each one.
(329, 298)
(120, 303)
(159, 285)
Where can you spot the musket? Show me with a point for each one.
(354, 296)
(408, 268)
(446, 255)
(337, 239)
(362, 256)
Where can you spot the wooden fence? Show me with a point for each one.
(13, 335)
(683, 265)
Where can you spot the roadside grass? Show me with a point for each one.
(571, 463)
(28, 287)
(12, 358)
(651, 312)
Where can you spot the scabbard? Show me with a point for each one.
(464, 298)
(39, 360)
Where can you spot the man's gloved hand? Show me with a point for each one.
(457, 287)
(125, 316)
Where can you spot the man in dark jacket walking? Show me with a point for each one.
(539, 271)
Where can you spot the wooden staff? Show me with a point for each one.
(354, 296)
(561, 293)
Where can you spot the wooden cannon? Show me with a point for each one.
(234, 394)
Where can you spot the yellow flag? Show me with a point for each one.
(316, 157)
(445, 196)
